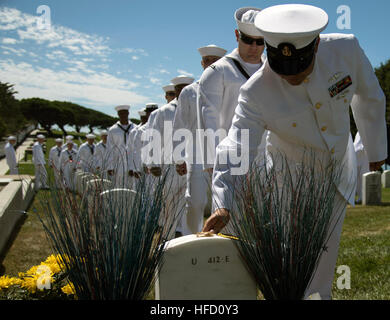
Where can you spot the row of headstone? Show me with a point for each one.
(372, 184)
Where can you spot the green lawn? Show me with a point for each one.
(365, 249)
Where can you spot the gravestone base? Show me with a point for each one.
(203, 268)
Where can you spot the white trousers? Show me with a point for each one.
(40, 177)
(323, 278)
(198, 183)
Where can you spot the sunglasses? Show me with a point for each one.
(248, 40)
(170, 93)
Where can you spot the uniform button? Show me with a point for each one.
(324, 128)
(318, 105)
(306, 80)
(294, 124)
(332, 150)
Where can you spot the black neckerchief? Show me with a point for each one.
(91, 148)
(59, 151)
(125, 131)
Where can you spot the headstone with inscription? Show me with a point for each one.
(203, 268)
(386, 179)
(372, 188)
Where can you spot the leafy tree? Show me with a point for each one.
(11, 118)
(41, 111)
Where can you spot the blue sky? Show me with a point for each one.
(104, 53)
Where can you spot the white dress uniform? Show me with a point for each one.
(100, 159)
(85, 157)
(67, 164)
(38, 159)
(54, 161)
(176, 184)
(117, 152)
(134, 148)
(217, 99)
(10, 156)
(363, 165)
(307, 115)
(198, 181)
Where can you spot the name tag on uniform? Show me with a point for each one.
(340, 86)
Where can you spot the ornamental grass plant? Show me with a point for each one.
(283, 217)
(113, 240)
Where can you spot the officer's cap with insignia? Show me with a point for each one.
(290, 32)
(211, 50)
(245, 18)
(151, 106)
(122, 107)
(169, 88)
(90, 136)
(182, 79)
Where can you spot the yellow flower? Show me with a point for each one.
(30, 283)
(6, 282)
(68, 289)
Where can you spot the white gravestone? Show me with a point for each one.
(372, 188)
(79, 175)
(84, 180)
(94, 188)
(203, 268)
(386, 179)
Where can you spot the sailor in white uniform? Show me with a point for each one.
(198, 181)
(100, 155)
(176, 185)
(136, 144)
(220, 83)
(10, 155)
(118, 135)
(39, 161)
(362, 163)
(54, 157)
(302, 96)
(70, 138)
(67, 164)
(84, 159)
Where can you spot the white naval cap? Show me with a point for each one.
(151, 106)
(142, 113)
(169, 87)
(69, 137)
(212, 50)
(11, 138)
(122, 107)
(90, 136)
(182, 79)
(297, 24)
(104, 133)
(245, 18)
(58, 140)
(40, 136)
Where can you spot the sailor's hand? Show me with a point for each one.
(156, 171)
(217, 221)
(181, 169)
(375, 166)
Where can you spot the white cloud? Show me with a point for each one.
(155, 80)
(9, 41)
(96, 89)
(56, 37)
(185, 73)
(164, 71)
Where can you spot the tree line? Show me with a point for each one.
(16, 114)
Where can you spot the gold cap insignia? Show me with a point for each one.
(286, 51)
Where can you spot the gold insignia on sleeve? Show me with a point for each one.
(286, 51)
